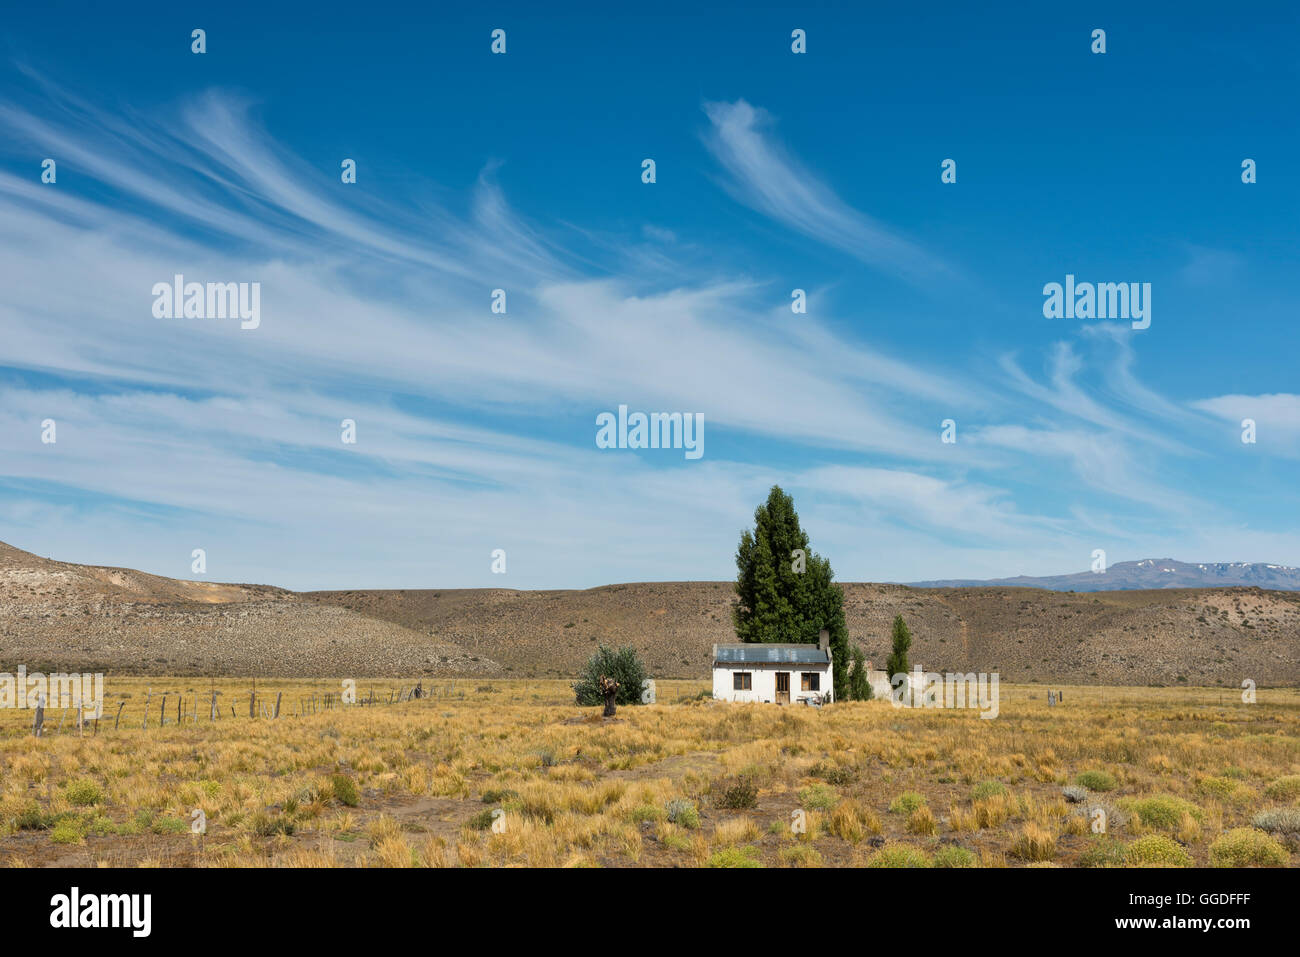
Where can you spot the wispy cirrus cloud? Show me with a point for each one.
(764, 175)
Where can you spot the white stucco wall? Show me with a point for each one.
(764, 681)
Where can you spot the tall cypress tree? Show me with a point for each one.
(784, 599)
(901, 642)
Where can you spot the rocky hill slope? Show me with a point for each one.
(1198, 636)
(60, 616)
(86, 618)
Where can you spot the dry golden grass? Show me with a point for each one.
(513, 774)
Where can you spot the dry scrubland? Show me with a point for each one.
(59, 616)
(1183, 774)
(1195, 637)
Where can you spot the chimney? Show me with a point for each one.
(824, 640)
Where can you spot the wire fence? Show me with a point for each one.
(194, 707)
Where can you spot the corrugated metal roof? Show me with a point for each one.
(760, 653)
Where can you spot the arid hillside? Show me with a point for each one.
(56, 615)
(1170, 636)
(60, 616)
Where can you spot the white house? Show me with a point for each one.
(772, 672)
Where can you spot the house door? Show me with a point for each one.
(783, 687)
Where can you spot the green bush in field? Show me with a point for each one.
(1220, 788)
(1157, 850)
(623, 665)
(83, 792)
(344, 790)
(1096, 780)
(1284, 789)
(818, 796)
(1104, 851)
(32, 818)
(735, 857)
(987, 789)
(952, 855)
(739, 796)
(1247, 847)
(1162, 811)
(899, 855)
(801, 855)
(67, 831)
(683, 813)
(906, 803)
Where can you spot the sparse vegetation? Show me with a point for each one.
(1247, 847)
(1157, 850)
(1096, 780)
(417, 783)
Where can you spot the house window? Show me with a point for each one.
(742, 681)
(812, 681)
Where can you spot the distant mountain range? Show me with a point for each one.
(1148, 573)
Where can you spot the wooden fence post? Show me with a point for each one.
(39, 724)
(278, 695)
(119, 715)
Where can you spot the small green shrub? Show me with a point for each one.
(344, 790)
(1096, 780)
(987, 789)
(953, 855)
(906, 803)
(1284, 789)
(1157, 850)
(801, 855)
(646, 812)
(1162, 811)
(1103, 851)
(32, 818)
(818, 796)
(735, 857)
(899, 855)
(1220, 788)
(739, 796)
(1247, 847)
(683, 813)
(67, 831)
(83, 792)
(481, 821)
(834, 774)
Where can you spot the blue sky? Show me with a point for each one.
(775, 171)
